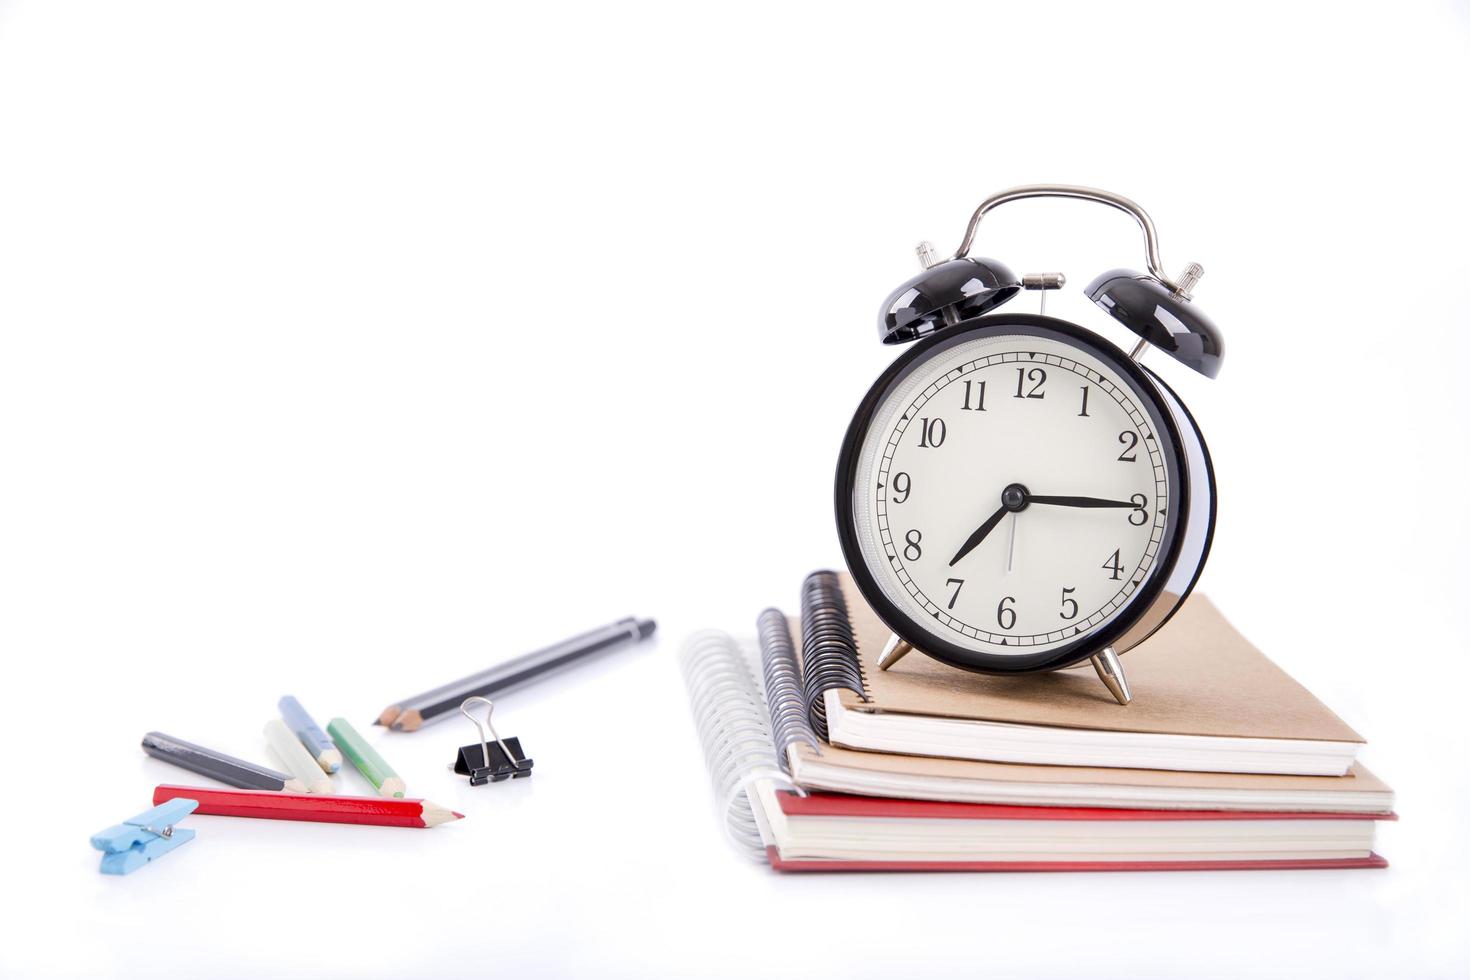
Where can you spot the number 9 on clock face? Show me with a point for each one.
(1015, 496)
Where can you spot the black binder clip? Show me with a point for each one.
(494, 759)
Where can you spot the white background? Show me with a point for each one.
(348, 348)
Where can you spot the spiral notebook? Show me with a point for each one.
(1206, 700)
(764, 741)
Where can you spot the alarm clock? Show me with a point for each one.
(1016, 493)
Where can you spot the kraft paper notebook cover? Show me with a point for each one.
(1197, 682)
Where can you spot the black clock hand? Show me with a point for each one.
(1082, 502)
(973, 541)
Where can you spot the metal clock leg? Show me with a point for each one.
(893, 652)
(1110, 670)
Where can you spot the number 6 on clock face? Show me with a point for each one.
(1016, 494)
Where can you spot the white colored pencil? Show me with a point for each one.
(297, 760)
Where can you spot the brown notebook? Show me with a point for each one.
(1204, 699)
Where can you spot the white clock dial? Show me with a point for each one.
(1012, 494)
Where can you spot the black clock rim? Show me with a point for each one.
(1078, 650)
(1213, 496)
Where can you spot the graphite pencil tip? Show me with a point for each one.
(389, 715)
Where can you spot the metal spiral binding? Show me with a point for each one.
(789, 720)
(734, 730)
(829, 653)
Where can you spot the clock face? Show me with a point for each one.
(1013, 494)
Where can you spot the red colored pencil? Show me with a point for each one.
(301, 806)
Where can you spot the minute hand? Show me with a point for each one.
(1082, 502)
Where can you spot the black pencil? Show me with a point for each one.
(415, 712)
(216, 765)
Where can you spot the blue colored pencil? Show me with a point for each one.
(316, 741)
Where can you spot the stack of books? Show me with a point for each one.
(1222, 760)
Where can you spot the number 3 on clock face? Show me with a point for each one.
(1011, 497)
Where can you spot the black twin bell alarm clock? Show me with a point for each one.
(1015, 493)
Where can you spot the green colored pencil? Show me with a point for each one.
(365, 758)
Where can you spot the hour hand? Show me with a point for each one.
(973, 541)
(1083, 502)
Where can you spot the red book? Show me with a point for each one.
(830, 832)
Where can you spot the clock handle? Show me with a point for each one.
(1150, 236)
(1110, 671)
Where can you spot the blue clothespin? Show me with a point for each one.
(146, 837)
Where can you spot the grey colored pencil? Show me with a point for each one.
(216, 765)
(424, 709)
